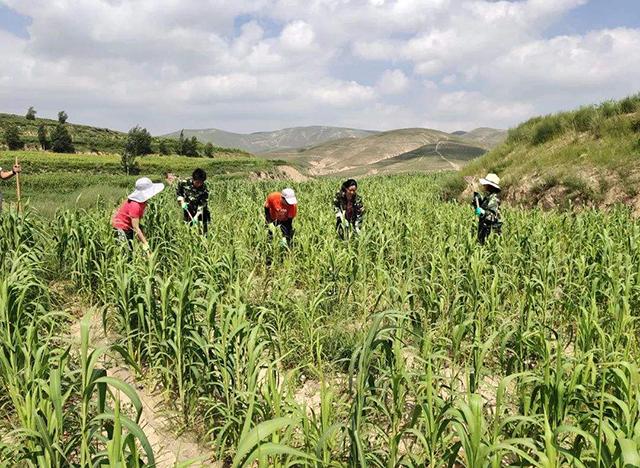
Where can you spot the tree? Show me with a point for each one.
(31, 114)
(42, 137)
(12, 138)
(62, 117)
(208, 150)
(190, 147)
(180, 147)
(138, 143)
(61, 141)
(163, 148)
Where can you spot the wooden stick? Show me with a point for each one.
(18, 188)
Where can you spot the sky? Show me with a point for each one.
(258, 65)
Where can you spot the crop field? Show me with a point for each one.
(408, 346)
(52, 181)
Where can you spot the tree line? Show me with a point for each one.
(138, 141)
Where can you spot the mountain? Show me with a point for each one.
(485, 137)
(382, 151)
(264, 142)
(586, 157)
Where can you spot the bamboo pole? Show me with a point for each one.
(18, 188)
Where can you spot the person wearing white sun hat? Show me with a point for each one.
(279, 210)
(126, 220)
(487, 207)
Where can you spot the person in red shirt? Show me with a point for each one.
(126, 221)
(279, 210)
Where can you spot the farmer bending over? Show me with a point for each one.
(349, 209)
(126, 221)
(279, 210)
(487, 207)
(193, 197)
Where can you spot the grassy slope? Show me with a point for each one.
(51, 181)
(590, 156)
(85, 138)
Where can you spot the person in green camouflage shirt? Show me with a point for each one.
(349, 210)
(193, 197)
(487, 207)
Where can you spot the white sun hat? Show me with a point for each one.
(145, 189)
(289, 196)
(491, 179)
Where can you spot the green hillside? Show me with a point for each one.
(86, 139)
(588, 157)
(50, 181)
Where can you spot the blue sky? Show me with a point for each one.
(251, 65)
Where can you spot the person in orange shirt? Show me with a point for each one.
(279, 210)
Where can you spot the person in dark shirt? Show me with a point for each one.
(193, 197)
(349, 209)
(487, 208)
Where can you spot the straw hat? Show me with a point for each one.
(491, 179)
(145, 189)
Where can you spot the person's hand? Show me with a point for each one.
(479, 211)
(283, 243)
(184, 205)
(17, 169)
(146, 249)
(273, 228)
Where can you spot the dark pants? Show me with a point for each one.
(485, 228)
(123, 237)
(286, 227)
(341, 230)
(192, 215)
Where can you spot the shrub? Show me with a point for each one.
(208, 150)
(31, 114)
(12, 138)
(583, 117)
(61, 141)
(452, 186)
(546, 130)
(609, 109)
(62, 117)
(629, 105)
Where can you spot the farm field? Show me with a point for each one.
(409, 346)
(52, 181)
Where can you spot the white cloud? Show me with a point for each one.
(393, 82)
(340, 94)
(253, 63)
(297, 36)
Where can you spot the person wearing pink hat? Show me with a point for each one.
(487, 207)
(126, 220)
(279, 210)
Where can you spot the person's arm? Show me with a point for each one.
(4, 175)
(135, 223)
(359, 208)
(267, 213)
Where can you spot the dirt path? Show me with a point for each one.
(453, 165)
(155, 420)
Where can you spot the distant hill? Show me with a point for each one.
(278, 140)
(380, 151)
(588, 157)
(485, 137)
(86, 139)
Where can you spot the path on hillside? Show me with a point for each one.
(454, 165)
(156, 420)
